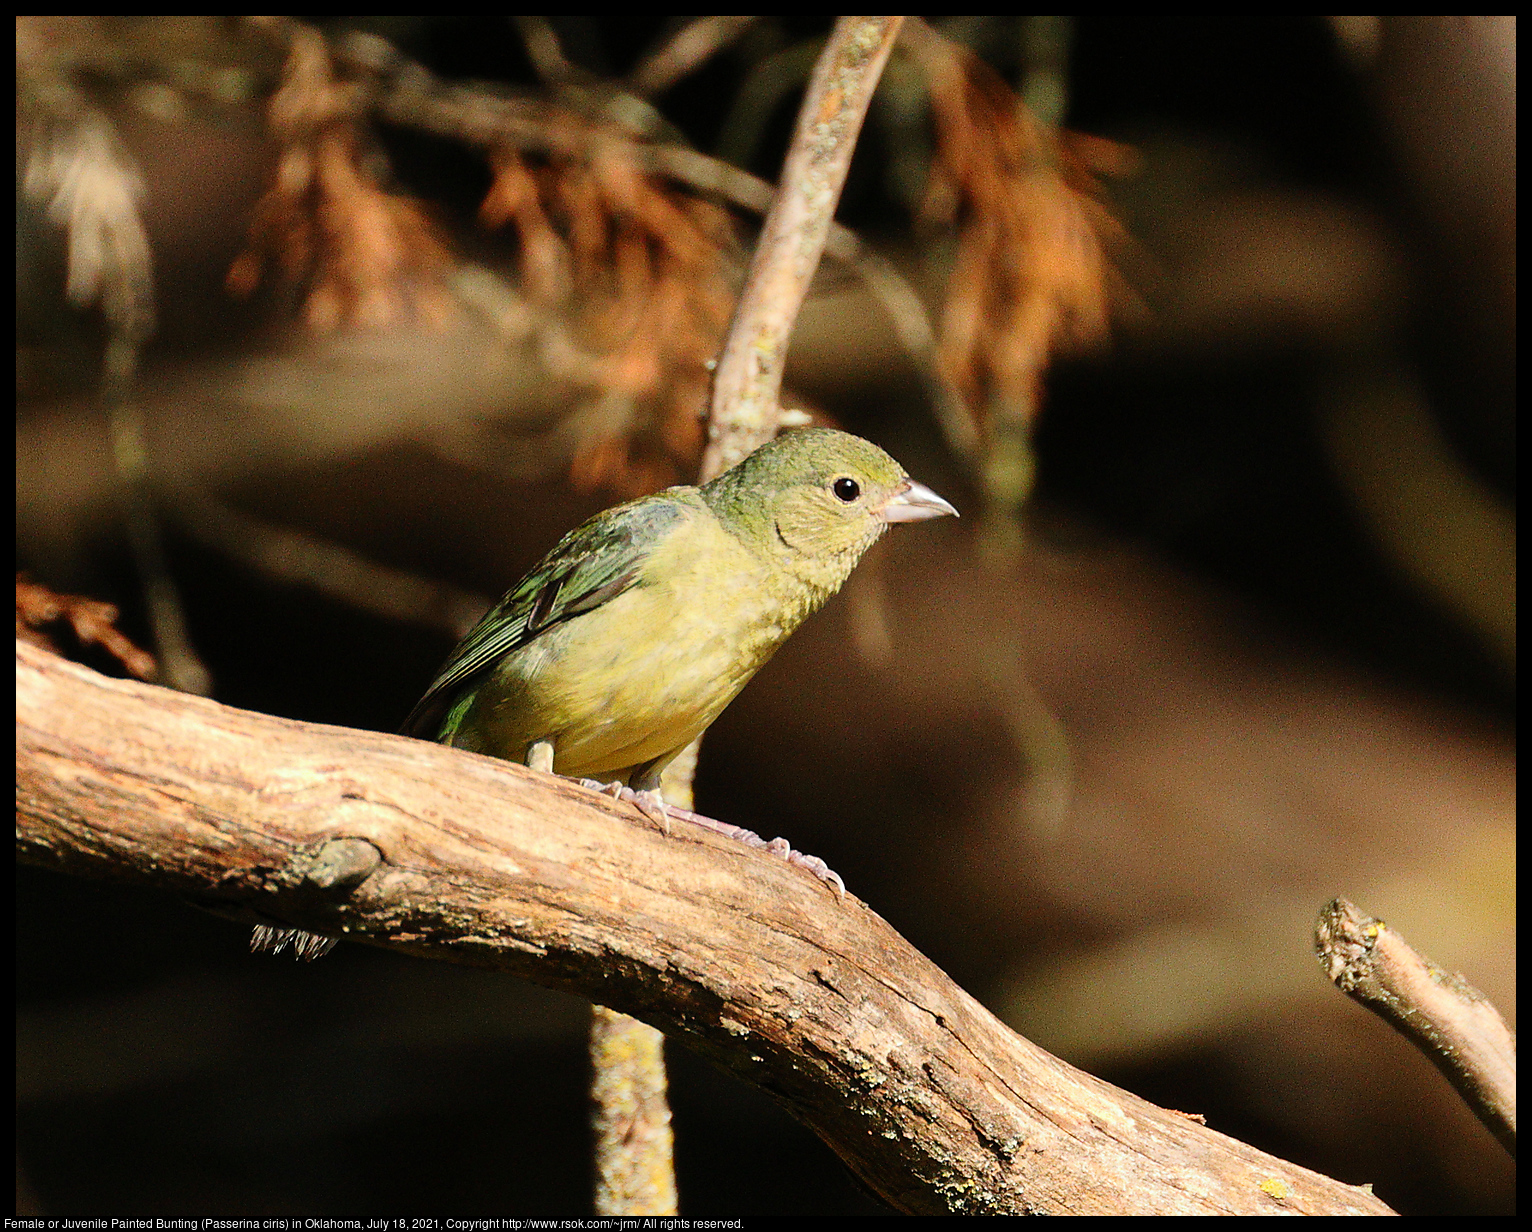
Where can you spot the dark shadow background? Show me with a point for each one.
(1195, 545)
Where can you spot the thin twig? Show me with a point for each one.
(1439, 1012)
(180, 665)
(749, 375)
(635, 1149)
(542, 44)
(758, 95)
(684, 53)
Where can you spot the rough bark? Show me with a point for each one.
(756, 964)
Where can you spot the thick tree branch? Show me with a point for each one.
(1439, 1012)
(752, 962)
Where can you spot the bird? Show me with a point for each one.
(642, 624)
(630, 637)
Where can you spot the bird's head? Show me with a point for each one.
(821, 496)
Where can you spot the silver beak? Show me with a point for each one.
(913, 502)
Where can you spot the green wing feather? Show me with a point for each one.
(589, 566)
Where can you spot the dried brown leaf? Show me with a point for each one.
(79, 172)
(366, 257)
(1031, 278)
(649, 268)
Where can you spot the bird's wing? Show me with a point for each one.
(592, 564)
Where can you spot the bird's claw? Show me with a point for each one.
(307, 946)
(777, 847)
(652, 805)
(819, 868)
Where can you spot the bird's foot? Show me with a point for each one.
(652, 805)
(777, 847)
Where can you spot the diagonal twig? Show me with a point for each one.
(682, 54)
(749, 375)
(293, 556)
(1439, 1012)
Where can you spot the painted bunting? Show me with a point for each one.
(642, 624)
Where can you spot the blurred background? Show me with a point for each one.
(327, 329)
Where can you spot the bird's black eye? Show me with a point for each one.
(846, 488)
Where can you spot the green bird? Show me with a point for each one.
(631, 636)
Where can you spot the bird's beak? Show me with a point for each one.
(913, 502)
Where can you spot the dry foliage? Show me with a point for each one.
(627, 279)
(1031, 276)
(92, 622)
(627, 273)
(643, 272)
(75, 167)
(363, 256)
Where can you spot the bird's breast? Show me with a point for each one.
(647, 671)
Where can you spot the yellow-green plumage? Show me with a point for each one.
(642, 624)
